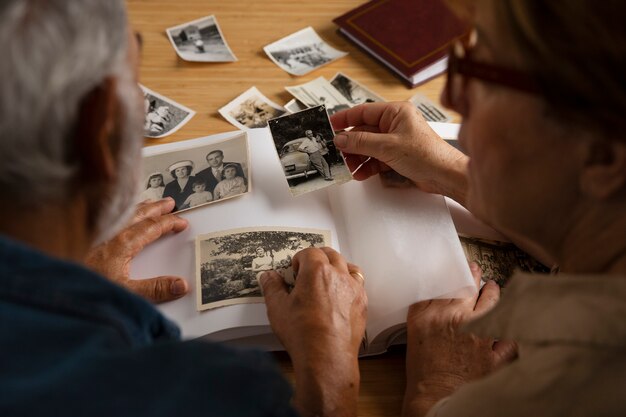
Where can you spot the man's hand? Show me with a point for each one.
(440, 357)
(321, 323)
(112, 259)
(398, 138)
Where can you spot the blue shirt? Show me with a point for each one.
(74, 344)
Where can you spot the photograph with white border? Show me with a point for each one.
(251, 110)
(294, 106)
(307, 153)
(163, 116)
(198, 174)
(229, 263)
(428, 109)
(320, 92)
(355, 92)
(200, 41)
(302, 52)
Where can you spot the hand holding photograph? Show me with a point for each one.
(197, 174)
(229, 263)
(251, 110)
(305, 147)
(302, 52)
(200, 41)
(163, 115)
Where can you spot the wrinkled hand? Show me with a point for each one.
(112, 259)
(440, 357)
(321, 323)
(398, 138)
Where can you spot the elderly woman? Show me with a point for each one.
(541, 88)
(182, 186)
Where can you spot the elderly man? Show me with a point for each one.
(73, 342)
(312, 147)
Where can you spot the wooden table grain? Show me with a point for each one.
(205, 87)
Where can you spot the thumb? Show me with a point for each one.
(274, 289)
(159, 289)
(363, 143)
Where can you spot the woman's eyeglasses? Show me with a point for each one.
(461, 67)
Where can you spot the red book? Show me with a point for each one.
(412, 37)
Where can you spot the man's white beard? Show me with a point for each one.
(118, 207)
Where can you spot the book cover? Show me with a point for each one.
(409, 36)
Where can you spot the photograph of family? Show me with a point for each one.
(307, 153)
(198, 175)
(229, 263)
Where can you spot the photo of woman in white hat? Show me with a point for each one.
(182, 186)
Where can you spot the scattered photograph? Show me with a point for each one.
(200, 41)
(499, 260)
(294, 106)
(320, 91)
(163, 116)
(251, 110)
(302, 52)
(198, 175)
(355, 92)
(430, 111)
(307, 153)
(229, 263)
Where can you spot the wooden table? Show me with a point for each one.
(248, 26)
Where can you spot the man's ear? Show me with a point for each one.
(94, 133)
(604, 172)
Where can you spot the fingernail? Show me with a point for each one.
(341, 140)
(260, 279)
(178, 287)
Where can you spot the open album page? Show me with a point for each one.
(269, 204)
(406, 244)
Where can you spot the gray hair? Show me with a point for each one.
(55, 53)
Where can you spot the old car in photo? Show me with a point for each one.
(296, 164)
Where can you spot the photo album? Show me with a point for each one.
(403, 239)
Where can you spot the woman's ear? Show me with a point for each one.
(604, 172)
(95, 133)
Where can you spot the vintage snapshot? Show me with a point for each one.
(302, 52)
(229, 263)
(499, 260)
(294, 106)
(320, 91)
(355, 92)
(163, 116)
(200, 41)
(251, 110)
(307, 153)
(198, 175)
(430, 111)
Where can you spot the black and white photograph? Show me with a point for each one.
(200, 41)
(229, 263)
(430, 111)
(307, 153)
(163, 115)
(499, 260)
(302, 52)
(320, 91)
(294, 106)
(355, 92)
(198, 175)
(251, 110)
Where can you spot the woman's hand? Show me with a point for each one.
(398, 138)
(440, 357)
(321, 323)
(112, 259)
